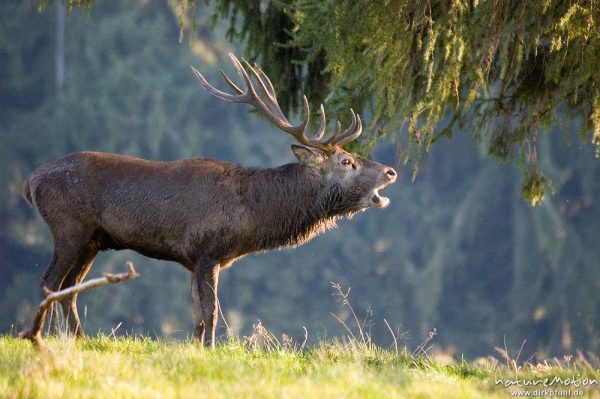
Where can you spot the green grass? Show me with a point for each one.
(108, 367)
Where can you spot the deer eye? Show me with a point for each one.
(346, 162)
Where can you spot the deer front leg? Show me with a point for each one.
(205, 306)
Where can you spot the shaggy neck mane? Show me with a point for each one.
(290, 205)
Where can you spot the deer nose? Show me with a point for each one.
(391, 173)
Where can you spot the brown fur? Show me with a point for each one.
(202, 213)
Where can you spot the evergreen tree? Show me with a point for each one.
(503, 71)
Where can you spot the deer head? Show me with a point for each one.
(343, 171)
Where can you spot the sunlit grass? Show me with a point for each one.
(145, 368)
(264, 366)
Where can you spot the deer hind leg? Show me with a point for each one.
(68, 250)
(205, 307)
(75, 276)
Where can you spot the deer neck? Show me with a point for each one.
(290, 206)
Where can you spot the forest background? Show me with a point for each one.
(459, 250)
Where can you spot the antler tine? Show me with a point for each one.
(350, 135)
(266, 94)
(322, 126)
(250, 92)
(265, 103)
(231, 84)
(265, 99)
(215, 92)
(338, 127)
(268, 89)
(266, 78)
(334, 137)
(302, 126)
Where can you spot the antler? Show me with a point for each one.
(265, 100)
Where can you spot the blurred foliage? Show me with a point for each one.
(457, 250)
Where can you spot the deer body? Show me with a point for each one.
(178, 210)
(201, 213)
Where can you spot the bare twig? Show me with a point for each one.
(343, 299)
(35, 336)
(305, 338)
(228, 330)
(114, 330)
(393, 335)
(423, 348)
(346, 327)
(512, 363)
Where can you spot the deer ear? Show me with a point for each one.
(307, 156)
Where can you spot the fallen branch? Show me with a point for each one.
(35, 336)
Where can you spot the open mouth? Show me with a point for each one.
(378, 200)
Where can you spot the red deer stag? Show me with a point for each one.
(202, 213)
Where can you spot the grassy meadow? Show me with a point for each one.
(264, 367)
